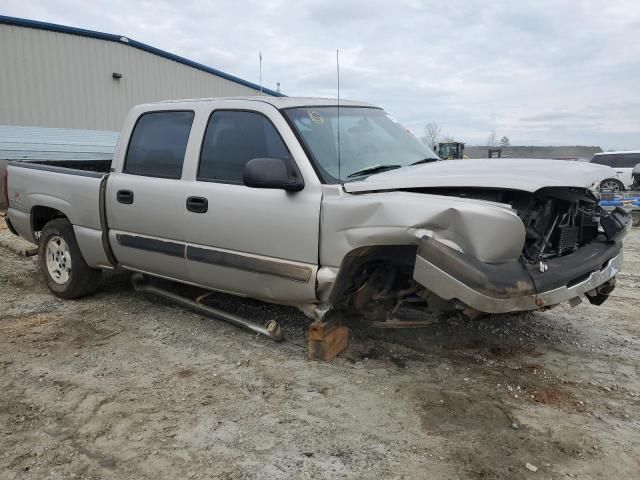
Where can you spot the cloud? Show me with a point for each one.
(552, 71)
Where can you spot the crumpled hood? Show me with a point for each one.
(508, 173)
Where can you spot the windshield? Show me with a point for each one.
(370, 141)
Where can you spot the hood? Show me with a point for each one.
(507, 173)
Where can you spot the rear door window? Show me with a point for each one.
(630, 160)
(232, 139)
(158, 144)
(610, 160)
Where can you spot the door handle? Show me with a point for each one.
(125, 196)
(197, 204)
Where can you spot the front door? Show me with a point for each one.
(145, 201)
(257, 242)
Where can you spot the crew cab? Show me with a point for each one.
(320, 205)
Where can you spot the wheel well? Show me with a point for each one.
(616, 180)
(356, 261)
(40, 215)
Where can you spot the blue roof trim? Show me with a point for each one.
(23, 22)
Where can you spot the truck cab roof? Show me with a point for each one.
(278, 102)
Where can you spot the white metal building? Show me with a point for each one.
(65, 77)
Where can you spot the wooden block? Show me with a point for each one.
(327, 340)
(319, 330)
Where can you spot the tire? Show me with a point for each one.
(612, 184)
(63, 268)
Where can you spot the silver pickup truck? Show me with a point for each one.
(302, 202)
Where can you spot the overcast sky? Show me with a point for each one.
(548, 73)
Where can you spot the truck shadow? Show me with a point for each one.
(500, 339)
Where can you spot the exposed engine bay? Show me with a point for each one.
(557, 226)
(558, 221)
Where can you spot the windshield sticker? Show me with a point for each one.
(316, 117)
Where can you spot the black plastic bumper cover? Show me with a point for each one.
(514, 279)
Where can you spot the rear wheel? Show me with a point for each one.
(612, 185)
(65, 272)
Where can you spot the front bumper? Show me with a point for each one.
(512, 286)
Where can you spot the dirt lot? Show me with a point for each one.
(121, 385)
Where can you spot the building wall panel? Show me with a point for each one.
(54, 79)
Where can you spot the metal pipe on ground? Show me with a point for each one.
(271, 329)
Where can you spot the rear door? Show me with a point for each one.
(257, 242)
(625, 167)
(145, 199)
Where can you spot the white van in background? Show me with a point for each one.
(622, 163)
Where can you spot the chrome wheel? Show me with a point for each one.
(611, 185)
(58, 260)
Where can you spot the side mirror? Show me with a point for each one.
(272, 173)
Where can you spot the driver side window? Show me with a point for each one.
(231, 139)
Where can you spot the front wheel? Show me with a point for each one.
(611, 185)
(65, 272)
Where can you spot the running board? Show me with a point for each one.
(271, 329)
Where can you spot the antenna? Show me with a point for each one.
(260, 57)
(338, 73)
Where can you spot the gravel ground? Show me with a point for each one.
(121, 385)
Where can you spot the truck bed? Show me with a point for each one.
(73, 191)
(93, 168)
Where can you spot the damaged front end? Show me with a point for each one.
(572, 249)
(569, 249)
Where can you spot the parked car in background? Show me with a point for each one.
(622, 163)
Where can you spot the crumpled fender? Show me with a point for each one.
(491, 232)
